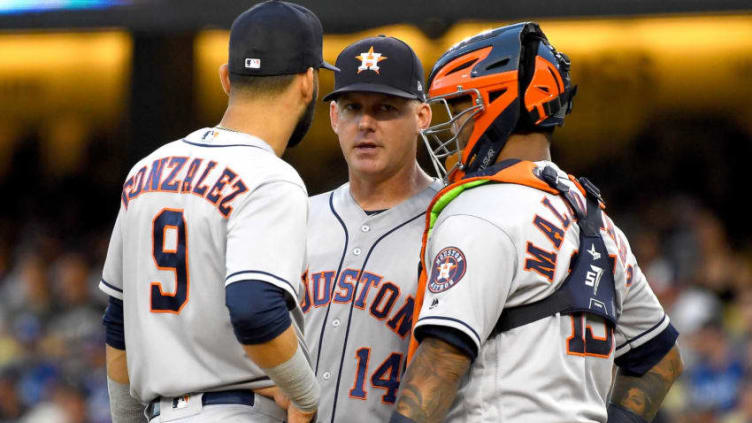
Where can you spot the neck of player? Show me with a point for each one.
(533, 147)
(269, 121)
(381, 192)
(272, 118)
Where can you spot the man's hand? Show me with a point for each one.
(293, 414)
(287, 366)
(273, 392)
(297, 416)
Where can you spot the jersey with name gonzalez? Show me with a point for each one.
(502, 245)
(196, 215)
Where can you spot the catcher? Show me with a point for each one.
(529, 294)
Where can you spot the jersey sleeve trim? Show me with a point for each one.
(452, 323)
(637, 361)
(451, 336)
(110, 290)
(643, 337)
(265, 276)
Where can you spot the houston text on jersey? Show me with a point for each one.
(318, 292)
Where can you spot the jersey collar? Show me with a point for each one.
(221, 137)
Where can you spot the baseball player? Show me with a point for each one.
(204, 261)
(364, 237)
(530, 293)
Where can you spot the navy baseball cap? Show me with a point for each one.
(384, 65)
(276, 38)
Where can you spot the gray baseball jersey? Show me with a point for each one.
(504, 245)
(196, 215)
(359, 299)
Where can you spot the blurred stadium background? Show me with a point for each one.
(662, 123)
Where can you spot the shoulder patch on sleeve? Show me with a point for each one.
(448, 268)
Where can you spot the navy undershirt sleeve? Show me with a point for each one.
(639, 360)
(451, 336)
(113, 323)
(258, 311)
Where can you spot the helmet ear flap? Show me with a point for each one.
(527, 69)
(545, 87)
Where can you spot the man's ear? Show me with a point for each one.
(333, 116)
(424, 115)
(307, 85)
(224, 78)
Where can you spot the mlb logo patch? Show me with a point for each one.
(251, 63)
(448, 269)
(181, 402)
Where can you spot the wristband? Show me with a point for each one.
(617, 414)
(123, 407)
(295, 378)
(399, 418)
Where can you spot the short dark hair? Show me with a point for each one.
(258, 85)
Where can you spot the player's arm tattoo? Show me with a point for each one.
(431, 381)
(643, 395)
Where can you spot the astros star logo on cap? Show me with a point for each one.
(369, 60)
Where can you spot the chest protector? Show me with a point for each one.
(589, 287)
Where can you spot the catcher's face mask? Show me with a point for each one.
(451, 131)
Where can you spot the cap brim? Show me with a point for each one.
(366, 87)
(329, 66)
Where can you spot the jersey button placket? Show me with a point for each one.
(365, 228)
(356, 251)
(326, 375)
(336, 323)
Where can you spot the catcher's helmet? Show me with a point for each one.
(517, 82)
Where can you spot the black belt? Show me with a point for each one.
(240, 396)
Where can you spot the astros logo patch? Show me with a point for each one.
(448, 268)
(369, 60)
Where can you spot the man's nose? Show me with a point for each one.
(367, 122)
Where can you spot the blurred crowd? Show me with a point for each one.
(51, 339)
(54, 233)
(703, 282)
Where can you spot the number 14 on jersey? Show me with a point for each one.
(386, 376)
